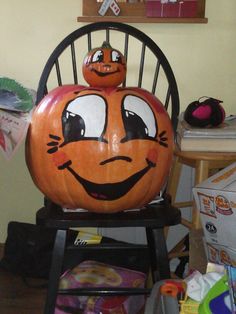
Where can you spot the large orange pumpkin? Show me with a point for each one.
(104, 66)
(104, 150)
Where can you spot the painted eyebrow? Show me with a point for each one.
(121, 89)
(88, 89)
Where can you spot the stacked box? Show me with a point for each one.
(216, 201)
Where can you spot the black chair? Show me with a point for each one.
(153, 73)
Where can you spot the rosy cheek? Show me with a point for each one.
(152, 155)
(59, 158)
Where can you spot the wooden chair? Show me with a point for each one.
(153, 73)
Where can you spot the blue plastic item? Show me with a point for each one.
(217, 300)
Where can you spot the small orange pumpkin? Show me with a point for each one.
(104, 66)
(104, 150)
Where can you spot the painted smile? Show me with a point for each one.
(109, 191)
(102, 74)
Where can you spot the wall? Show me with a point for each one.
(202, 57)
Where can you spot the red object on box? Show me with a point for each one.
(184, 8)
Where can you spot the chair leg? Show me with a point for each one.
(55, 272)
(158, 254)
(201, 174)
(174, 178)
(173, 184)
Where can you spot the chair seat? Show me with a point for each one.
(206, 156)
(156, 215)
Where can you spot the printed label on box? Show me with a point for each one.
(223, 205)
(220, 254)
(207, 204)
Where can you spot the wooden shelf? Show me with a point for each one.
(135, 13)
(141, 19)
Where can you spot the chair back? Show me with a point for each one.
(147, 66)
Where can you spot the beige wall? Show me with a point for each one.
(202, 57)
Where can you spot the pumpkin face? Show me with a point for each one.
(104, 150)
(104, 67)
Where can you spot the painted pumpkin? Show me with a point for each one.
(104, 67)
(104, 150)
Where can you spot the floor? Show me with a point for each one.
(16, 297)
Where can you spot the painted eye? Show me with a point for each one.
(138, 118)
(116, 56)
(98, 56)
(84, 118)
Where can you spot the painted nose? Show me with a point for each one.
(125, 158)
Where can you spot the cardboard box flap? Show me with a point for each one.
(224, 180)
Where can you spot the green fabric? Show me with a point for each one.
(13, 96)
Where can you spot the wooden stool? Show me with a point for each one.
(203, 163)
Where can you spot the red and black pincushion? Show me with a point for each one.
(206, 113)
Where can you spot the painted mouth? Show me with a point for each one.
(103, 74)
(109, 191)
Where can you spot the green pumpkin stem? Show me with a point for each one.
(106, 45)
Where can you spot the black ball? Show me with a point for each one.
(208, 113)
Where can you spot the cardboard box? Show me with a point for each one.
(216, 200)
(184, 8)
